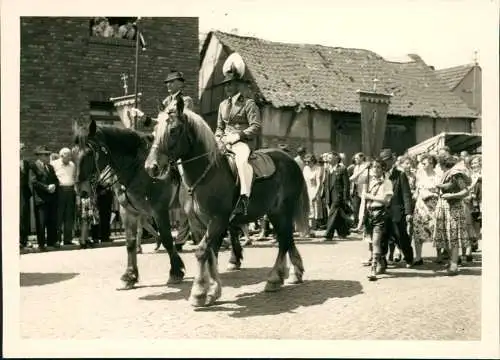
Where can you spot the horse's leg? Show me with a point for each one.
(131, 275)
(236, 249)
(207, 268)
(139, 234)
(283, 226)
(297, 272)
(176, 274)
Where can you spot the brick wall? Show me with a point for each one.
(63, 68)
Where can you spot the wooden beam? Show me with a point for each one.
(333, 131)
(310, 128)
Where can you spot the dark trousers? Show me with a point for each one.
(24, 221)
(66, 213)
(336, 222)
(104, 205)
(183, 232)
(397, 231)
(356, 203)
(46, 220)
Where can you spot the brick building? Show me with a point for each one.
(67, 73)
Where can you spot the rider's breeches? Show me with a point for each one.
(245, 171)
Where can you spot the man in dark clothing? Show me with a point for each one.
(400, 210)
(336, 196)
(45, 186)
(24, 199)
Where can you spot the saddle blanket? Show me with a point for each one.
(262, 164)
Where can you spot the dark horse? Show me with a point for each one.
(125, 151)
(210, 191)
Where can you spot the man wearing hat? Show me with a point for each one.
(175, 84)
(400, 209)
(238, 124)
(45, 186)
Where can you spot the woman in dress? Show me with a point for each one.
(377, 197)
(357, 182)
(475, 198)
(312, 174)
(451, 231)
(426, 196)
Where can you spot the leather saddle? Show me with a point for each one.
(261, 163)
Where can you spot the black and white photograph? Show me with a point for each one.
(250, 179)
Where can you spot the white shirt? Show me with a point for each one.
(378, 188)
(65, 173)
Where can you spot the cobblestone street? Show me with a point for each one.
(73, 295)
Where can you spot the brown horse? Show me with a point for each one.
(210, 191)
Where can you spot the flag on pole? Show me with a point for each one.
(142, 42)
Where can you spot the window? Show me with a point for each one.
(113, 27)
(104, 113)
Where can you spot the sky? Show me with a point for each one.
(443, 33)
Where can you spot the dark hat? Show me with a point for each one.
(386, 154)
(174, 75)
(42, 150)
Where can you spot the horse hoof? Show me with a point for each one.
(294, 279)
(232, 267)
(211, 299)
(199, 300)
(173, 280)
(272, 286)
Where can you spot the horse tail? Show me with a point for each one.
(302, 209)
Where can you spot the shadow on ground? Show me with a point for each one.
(235, 279)
(288, 299)
(39, 279)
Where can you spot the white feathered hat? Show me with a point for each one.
(233, 68)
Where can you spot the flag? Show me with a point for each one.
(142, 42)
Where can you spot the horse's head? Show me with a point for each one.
(91, 156)
(171, 140)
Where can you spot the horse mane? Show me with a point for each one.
(203, 133)
(127, 141)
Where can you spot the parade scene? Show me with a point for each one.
(185, 184)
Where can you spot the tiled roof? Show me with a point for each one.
(290, 75)
(452, 76)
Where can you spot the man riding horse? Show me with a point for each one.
(175, 84)
(238, 124)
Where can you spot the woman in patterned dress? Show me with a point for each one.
(312, 174)
(426, 196)
(451, 231)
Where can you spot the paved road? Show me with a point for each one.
(72, 295)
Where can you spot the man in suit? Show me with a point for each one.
(45, 187)
(238, 124)
(400, 210)
(24, 199)
(335, 192)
